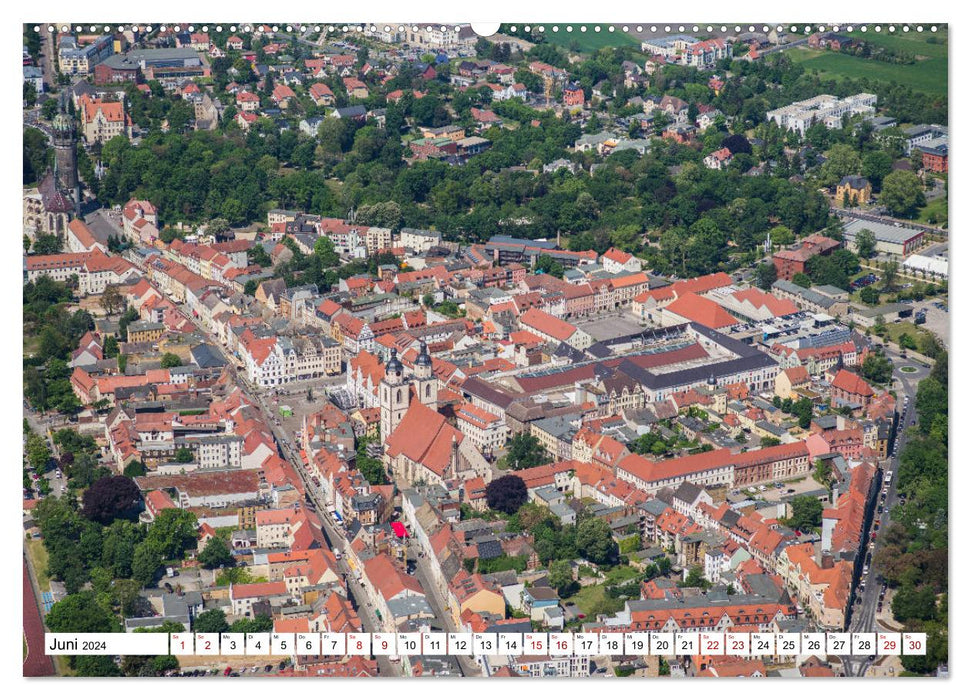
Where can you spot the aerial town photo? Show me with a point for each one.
(406, 350)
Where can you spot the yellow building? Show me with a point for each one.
(141, 331)
(853, 190)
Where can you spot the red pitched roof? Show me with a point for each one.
(547, 324)
(424, 437)
(701, 310)
(852, 383)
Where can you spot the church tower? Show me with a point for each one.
(66, 155)
(426, 385)
(393, 395)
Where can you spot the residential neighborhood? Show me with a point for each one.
(406, 332)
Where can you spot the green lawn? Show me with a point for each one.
(935, 213)
(895, 330)
(590, 599)
(38, 557)
(930, 44)
(620, 574)
(589, 41)
(928, 75)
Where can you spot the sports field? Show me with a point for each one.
(928, 74)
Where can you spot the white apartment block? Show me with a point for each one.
(219, 452)
(827, 109)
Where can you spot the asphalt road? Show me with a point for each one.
(863, 618)
(423, 574)
(335, 538)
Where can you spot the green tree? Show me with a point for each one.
(595, 542)
(260, 623)
(807, 513)
(869, 295)
(561, 578)
(890, 268)
(95, 666)
(183, 455)
(823, 473)
(525, 451)
(215, 554)
(211, 621)
(877, 368)
(81, 612)
(135, 468)
(170, 359)
(48, 109)
(903, 193)
(841, 160)
(546, 263)
(112, 299)
(910, 603)
(696, 578)
(765, 275)
(866, 243)
(146, 560)
(802, 279)
(38, 453)
(781, 235)
(174, 531)
(876, 166)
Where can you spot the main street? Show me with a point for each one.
(864, 611)
(424, 576)
(358, 594)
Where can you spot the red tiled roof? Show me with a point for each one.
(852, 383)
(701, 310)
(424, 437)
(547, 324)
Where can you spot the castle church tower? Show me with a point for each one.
(393, 395)
(426, 385)
(66, 155)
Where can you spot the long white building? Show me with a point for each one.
(827, 109)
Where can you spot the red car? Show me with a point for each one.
(229, 669)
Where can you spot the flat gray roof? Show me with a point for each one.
(883, 232)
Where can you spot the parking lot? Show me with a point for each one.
(789, 490)
(938, 321)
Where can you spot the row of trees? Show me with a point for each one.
(914, 560)
(51, 331)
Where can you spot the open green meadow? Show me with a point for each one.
(589, 41)
(928, 74)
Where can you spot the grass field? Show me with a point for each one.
(935, 213)
(589, 41)
(895, 330)
(38, 557)
(590, 599)
(927, 75)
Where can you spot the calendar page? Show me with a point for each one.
(424, 349)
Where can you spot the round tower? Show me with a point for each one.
(65, 152)
(426, 384)
(393, 395)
